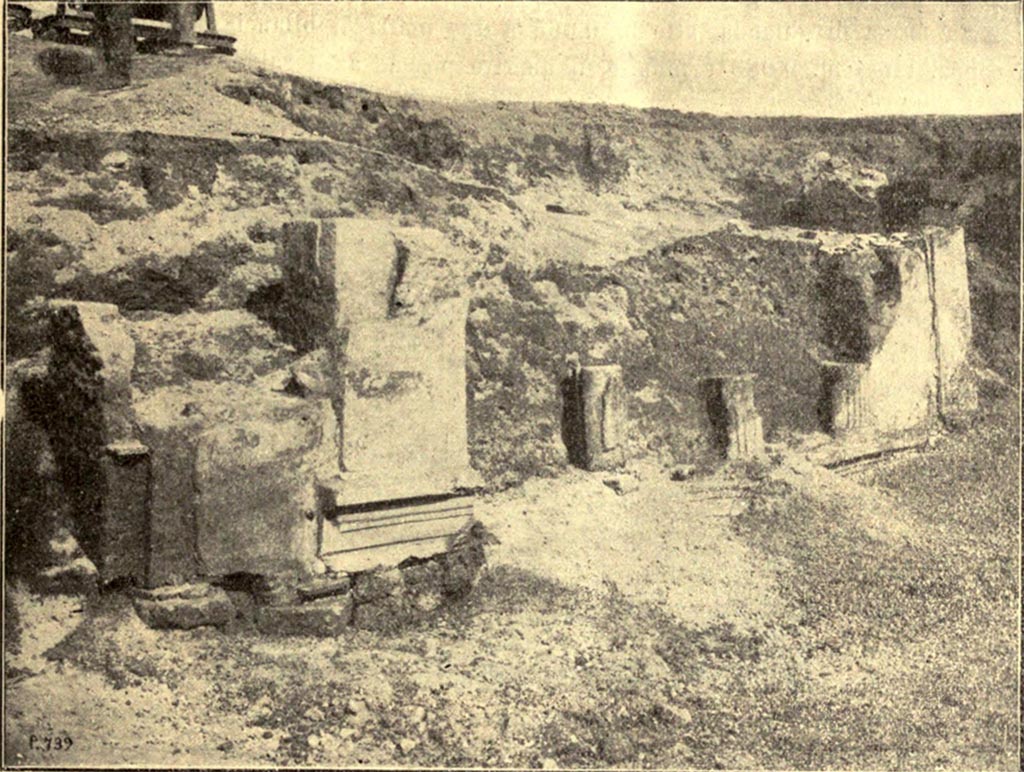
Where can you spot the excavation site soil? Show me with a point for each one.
(807, 607)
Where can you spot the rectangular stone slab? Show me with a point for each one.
(356, 538)
(255, 482)
(947, 258)
(125, 514)
(171, 541)
(335, 273)
(404, 399)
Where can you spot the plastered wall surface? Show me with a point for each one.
(947, 257)
(897, 385)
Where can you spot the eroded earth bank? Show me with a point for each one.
(351, 429)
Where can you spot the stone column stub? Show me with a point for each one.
(594, 416)
(843, 408)
(736, 428)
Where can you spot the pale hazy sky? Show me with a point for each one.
(816, 58)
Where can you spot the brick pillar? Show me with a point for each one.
(736, 427)
(595, 414)
(843, 408)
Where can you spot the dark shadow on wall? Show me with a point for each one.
(844, 313)
(826, 413)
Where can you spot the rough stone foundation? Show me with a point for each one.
(380, 599)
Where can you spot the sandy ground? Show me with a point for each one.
(666, 544)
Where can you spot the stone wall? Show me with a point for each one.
(947, 261)
(913, 321)
(898, 384)
(178, 474)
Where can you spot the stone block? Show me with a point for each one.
(404, 399)
(361, 536)
(255, 483)
(124, 519)
(170, 556)
(736, 427)
(185, 613)
(324, 587)
(956, 390)
(594, 417)
(898, 384)
(462, 568)
(233, 480)
(324, 618)
(91, 366)
(88, 404)
(404, 452)
(335, 273)
(32, 490)
(245, 606)
(275, 591)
